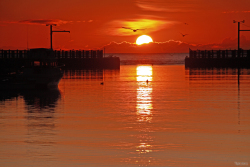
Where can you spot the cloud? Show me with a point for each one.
(154, 47)
(172, 46)
(147, 26)
(165, 5)
(44, 21)
(232, 12)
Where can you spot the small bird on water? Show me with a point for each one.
(132, 29)
(101, 83)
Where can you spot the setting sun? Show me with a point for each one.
(143, 39)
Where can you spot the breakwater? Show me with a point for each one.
(218, 58)
(69, 59)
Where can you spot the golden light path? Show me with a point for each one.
(144, 108)
(143, 39)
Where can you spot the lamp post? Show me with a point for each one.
(243, 21)
(239, 50)
(51, 31)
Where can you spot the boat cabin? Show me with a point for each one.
(41, 57)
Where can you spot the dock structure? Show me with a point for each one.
(218, 58)
(86, 59)
(70, 59)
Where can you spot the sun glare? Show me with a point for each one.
(144, 73)
(143, 39)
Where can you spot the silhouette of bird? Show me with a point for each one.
(132, 29)
(186, 23)
(184, 34)
(102, 83)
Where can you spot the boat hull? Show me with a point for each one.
(33, 78)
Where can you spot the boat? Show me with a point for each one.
(40, 70)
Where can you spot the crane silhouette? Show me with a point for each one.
(132, 29)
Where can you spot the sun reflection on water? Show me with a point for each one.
(144, 114)
(144, 73)
(144, 90)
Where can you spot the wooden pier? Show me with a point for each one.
(70, 59)
(218, 58)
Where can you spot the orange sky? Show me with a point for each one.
(98, 23)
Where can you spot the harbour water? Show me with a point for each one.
(148, 114)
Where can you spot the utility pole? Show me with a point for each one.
(243, 21)
(239, 49)
(51, 32)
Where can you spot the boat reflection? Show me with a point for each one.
(39, 119)
(35, 98)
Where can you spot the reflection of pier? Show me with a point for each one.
(216, 71)
(97, 74)
(72, 59)
(218, 58)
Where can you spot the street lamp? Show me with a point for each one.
(243, 21)
(51, 31)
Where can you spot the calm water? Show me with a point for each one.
(179, 117)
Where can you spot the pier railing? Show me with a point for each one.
(78, 54)
(219, 54)
(218, 59)
(59, 54)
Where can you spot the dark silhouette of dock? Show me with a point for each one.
(69, 59)
(218, 58)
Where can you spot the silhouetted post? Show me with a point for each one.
(66, 54)
(233, 53)
(5, 54)
(209, 54)
(243, 21)
(104, 52)
(238, 39)
(83, 55)
(52, 32)
(20, 54)
(87, 54)
(62, 53)
(223, 54)
(218, 54)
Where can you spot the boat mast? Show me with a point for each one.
(51, 31)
